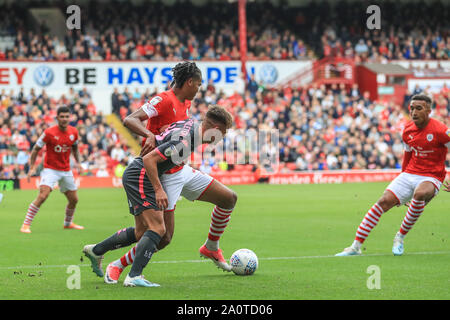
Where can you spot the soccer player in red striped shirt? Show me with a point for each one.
(426, 143)
(61, 140)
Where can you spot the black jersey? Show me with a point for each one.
(177, 143)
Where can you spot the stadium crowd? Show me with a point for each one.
(25, 115)
(319, 128)
(319, 29)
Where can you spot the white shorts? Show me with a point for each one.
(405, 184)
(50, 177)
(188, 182)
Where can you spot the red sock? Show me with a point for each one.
(69, 216)
(415, 209)
(32, 211)
(219, 221)
(369, 222)
(128, 257)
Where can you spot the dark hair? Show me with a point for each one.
(183, 71)
(62, 109)
(422, 97)
(219, 114)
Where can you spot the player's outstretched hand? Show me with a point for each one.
(161, 199)
(149, 145)
(29, 174)
(447, 185)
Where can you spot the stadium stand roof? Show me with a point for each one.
(387, 68)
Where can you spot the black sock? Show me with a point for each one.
(144, 251)
(120, 239)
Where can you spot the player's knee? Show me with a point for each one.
(138, 233)
(159, 229)
(230, 200)
(73, 201)
(387, 203)
(422, 195)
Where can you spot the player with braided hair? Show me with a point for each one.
(162, 110)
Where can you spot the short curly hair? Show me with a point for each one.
(219, 114)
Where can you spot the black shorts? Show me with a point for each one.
(140, 192)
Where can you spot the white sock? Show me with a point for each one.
(118, 264)
(400, 235)
(356, 245)
(212, 245)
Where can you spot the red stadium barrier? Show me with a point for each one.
(242, 177)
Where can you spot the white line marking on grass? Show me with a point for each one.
(207, 260)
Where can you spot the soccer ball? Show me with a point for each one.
(244, 262)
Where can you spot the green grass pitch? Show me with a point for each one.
(294, 229)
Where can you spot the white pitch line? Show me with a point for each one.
(206, 260)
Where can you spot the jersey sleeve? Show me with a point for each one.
(406, 146)
(43, 139)
(154, 106)
(75, 143)
(445, 138)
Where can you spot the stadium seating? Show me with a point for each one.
(287, 34)
(24, 118)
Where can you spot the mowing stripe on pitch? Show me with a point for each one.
(207, 260)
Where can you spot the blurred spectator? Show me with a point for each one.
(24, 117)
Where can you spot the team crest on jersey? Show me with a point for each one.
(155, 101)
(71, 137)
(430, 137)
(169, 151)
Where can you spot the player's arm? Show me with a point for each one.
(33, 156)
(407, 154)
(76, 155)
(446, 141)
(34, 153)
(446, 185)
(134, 123)
(151, 161)
(406, 158)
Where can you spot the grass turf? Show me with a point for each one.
(294, 229)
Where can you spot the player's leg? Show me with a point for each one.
(147, 245)
(423, 194)
(35, 205)
(95, 252)
(203, 187)
(172, 184)
(72, 198)
(123, 237)
(68, 187)
(398, 192)
(224, 200)
(116, 267)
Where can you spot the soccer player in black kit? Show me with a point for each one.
(146, 196)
